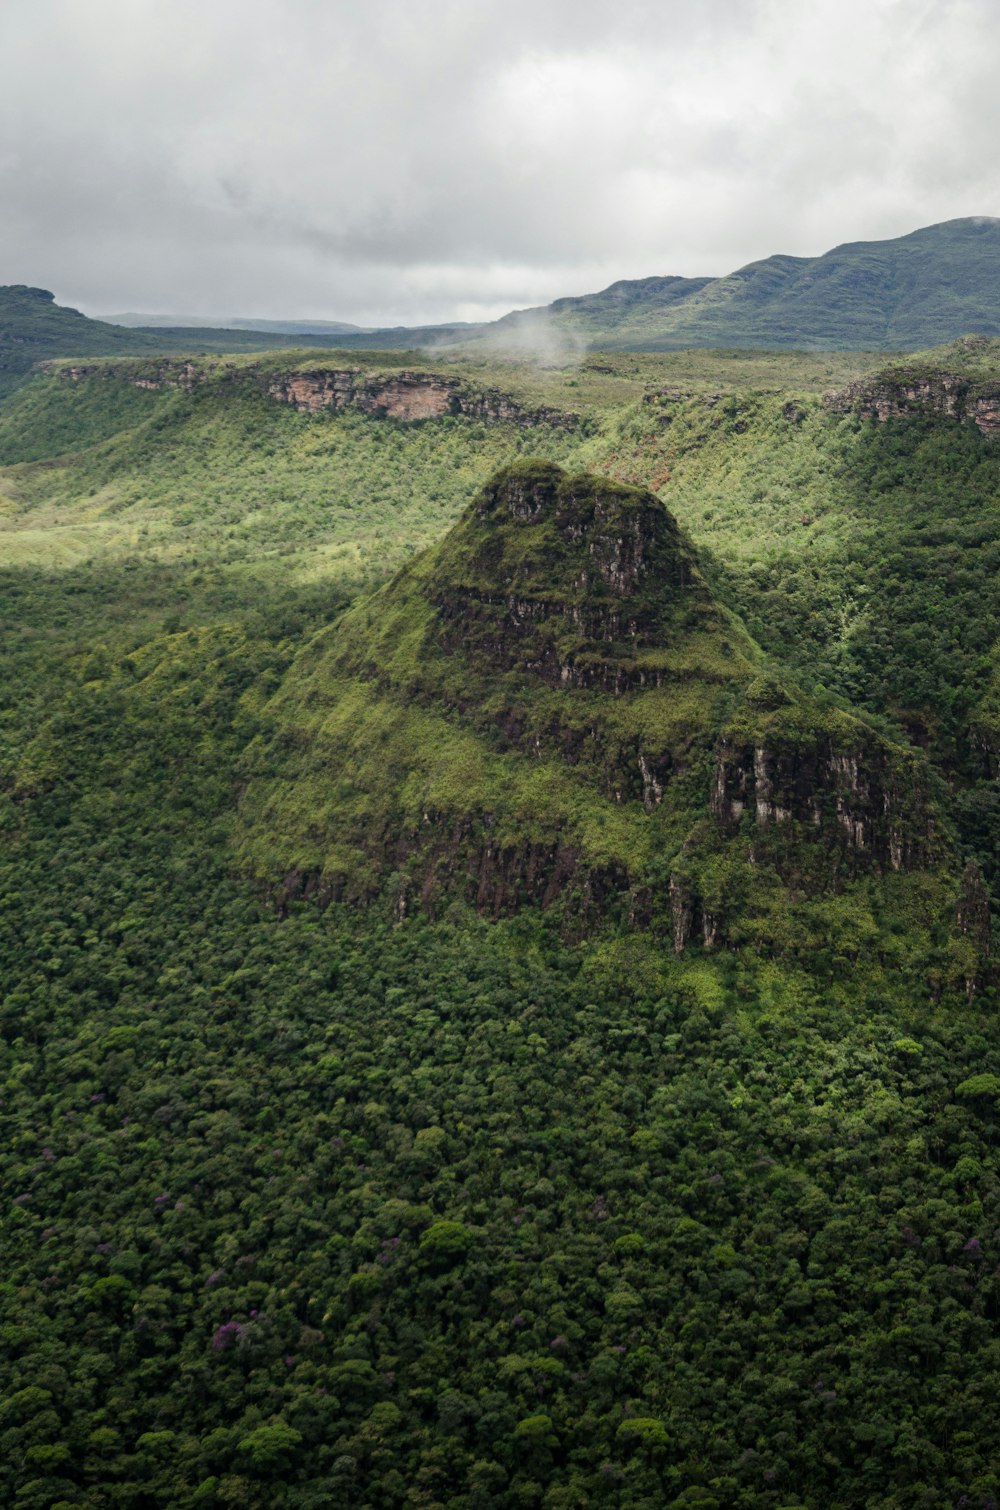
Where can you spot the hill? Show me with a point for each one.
(903, 294)
(549, 708)
(33, 327)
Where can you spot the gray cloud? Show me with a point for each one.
(429, 159)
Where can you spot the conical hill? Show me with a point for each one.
(550, 708)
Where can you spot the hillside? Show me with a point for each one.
(911, 292)
(33, 327)
(549, 708)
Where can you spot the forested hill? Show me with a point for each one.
(914, 291)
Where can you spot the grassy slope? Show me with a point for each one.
(915, 291)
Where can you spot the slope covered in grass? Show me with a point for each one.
(919, 290)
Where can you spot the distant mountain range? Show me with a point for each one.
(909, 293)
(134, 321)
(912, 292)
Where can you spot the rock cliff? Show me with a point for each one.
(900, 392)
(407, 396)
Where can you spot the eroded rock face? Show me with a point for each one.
(404, 396)
(858, 798)
(169, 373)
(894, 396)
(569, 581)
(311, 392)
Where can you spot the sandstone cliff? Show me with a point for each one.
(407, 396)
(900, 392)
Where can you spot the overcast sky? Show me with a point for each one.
(409, 160)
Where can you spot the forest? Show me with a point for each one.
(314, 1200)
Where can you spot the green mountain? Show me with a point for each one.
(550, 708)
(904, 294)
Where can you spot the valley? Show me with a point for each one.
(499, 991)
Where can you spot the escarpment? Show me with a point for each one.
(551, 709)
(842, 783)
(902, 392)
(406, 396)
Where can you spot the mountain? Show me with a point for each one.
(920, 290)
(269, 327)
(910, 292)
(550, 708)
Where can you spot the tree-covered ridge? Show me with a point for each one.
(914, 291)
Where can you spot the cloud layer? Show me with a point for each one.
(456, 158)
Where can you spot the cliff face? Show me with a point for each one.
(404, 396)
(855, 794)
(896, 394)
(550, 709)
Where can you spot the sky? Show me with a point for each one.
(410, 161)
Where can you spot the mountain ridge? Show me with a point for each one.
(903, 293)
(906, 293)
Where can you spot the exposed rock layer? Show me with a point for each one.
(895, 395)
(406, 395)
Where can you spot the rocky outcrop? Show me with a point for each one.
(171, 372)
(863, 799)
(407, 396)
(897, 394)
(570, 581)
(311, 392)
